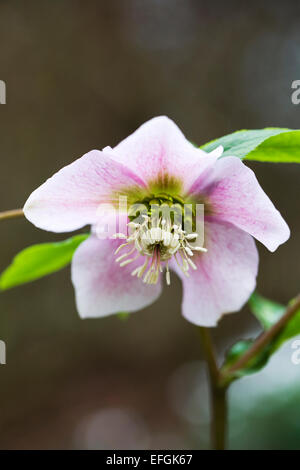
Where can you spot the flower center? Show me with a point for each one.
(158, 239)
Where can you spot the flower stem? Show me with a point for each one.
(219, 417)
(217, 394)
(11, 214)
(219, 380)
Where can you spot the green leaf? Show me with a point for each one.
(237, 351)
(281, 148)
(39, 260)
(269, 312)
(268, 145)
(266, 311)
(291, 329)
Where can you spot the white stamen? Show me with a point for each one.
(158, 241)
(168, 277)
(200, 248)
(192, 264)
(191, 236)
(129, 260)
(189, 251)
(126, 262)
(125, 255)
(120, 248)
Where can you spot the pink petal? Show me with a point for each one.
(225, 275)
(102, 287)
(159, 153)
(71, 197)
(236, 196)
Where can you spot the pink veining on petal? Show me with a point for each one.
(236, 196)
(225, 275)
(70, 198)
(102, 287)
(158, 150)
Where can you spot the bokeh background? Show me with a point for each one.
(83, 75)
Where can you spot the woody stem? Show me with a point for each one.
(218, 402)
(11, 214)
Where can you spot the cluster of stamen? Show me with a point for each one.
(158, 240)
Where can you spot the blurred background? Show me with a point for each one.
(83, 75)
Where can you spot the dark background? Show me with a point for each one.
(83, 75)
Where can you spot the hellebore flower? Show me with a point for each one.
(157, 163)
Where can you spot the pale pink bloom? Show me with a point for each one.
(157, 158)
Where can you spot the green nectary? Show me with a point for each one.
(163, 205)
